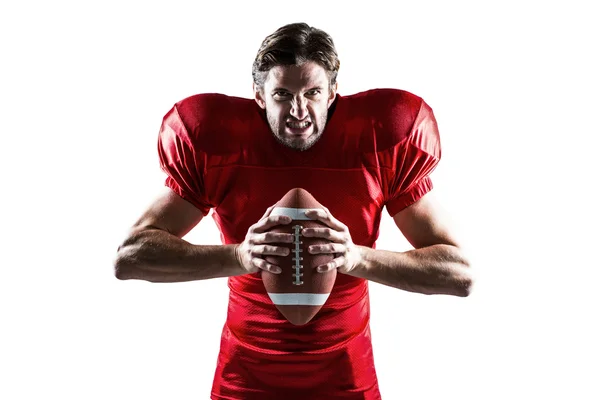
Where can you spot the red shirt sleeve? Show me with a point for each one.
(414, 159)
(181, 161)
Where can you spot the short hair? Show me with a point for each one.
(294, 44)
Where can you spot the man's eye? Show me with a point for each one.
(281, 94)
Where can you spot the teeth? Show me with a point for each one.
(298, 125)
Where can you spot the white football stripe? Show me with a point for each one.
(293, 213)
(299, 299)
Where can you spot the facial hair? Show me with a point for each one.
(297, 144)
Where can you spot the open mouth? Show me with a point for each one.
(298, 127)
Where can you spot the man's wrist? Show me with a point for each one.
(237, 258)
(361, 266)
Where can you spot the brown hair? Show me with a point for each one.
(294, 44)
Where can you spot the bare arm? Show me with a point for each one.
(437, 265)
(436, 269)
(155, 251)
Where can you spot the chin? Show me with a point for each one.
(299, 143)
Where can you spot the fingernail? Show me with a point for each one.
(321, 269)
(277, 270)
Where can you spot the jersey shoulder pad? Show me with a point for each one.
(209, 118)
(389, 115)
(395, 116)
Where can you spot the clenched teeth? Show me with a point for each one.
(298, 125)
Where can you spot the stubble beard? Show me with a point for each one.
(278, 131)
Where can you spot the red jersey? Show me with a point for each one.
(377, 150)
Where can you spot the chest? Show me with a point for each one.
(242, 193)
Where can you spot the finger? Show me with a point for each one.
(265, 215)
(330, 248)
(269, 222)
(268, 250)
(326, 217)
(325, 233)
(265, 266)
(331, 265)
(273, 237)
(268, 212)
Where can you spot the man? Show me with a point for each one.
(356, 155)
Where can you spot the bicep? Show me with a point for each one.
(171, 213)
(425, 223)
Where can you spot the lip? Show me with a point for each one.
(298, 131)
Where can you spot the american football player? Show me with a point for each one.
(357, 154)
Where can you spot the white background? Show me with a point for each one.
(514, 86)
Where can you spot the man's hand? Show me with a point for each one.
(259, 242)
(346, 254)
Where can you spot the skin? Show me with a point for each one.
(155, 251)
(296, 94)
(437, 265)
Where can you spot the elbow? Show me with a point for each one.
(121, 269)
(123, 266)
(464, 280)
(127, 258)
(464, 288)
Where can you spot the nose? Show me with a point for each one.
(299, 110)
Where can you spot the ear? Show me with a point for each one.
(259, 96)
(332, 94)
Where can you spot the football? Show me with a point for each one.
(299, 291)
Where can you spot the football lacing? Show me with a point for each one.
(297, 258)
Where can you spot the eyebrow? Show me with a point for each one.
(277, 89)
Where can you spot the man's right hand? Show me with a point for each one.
(259, 243)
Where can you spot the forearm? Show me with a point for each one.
(157, 256)
(437, 269)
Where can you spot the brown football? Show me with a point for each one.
(299, 291)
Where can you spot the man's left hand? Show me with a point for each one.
(346, 254)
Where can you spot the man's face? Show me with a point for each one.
(296, 99)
